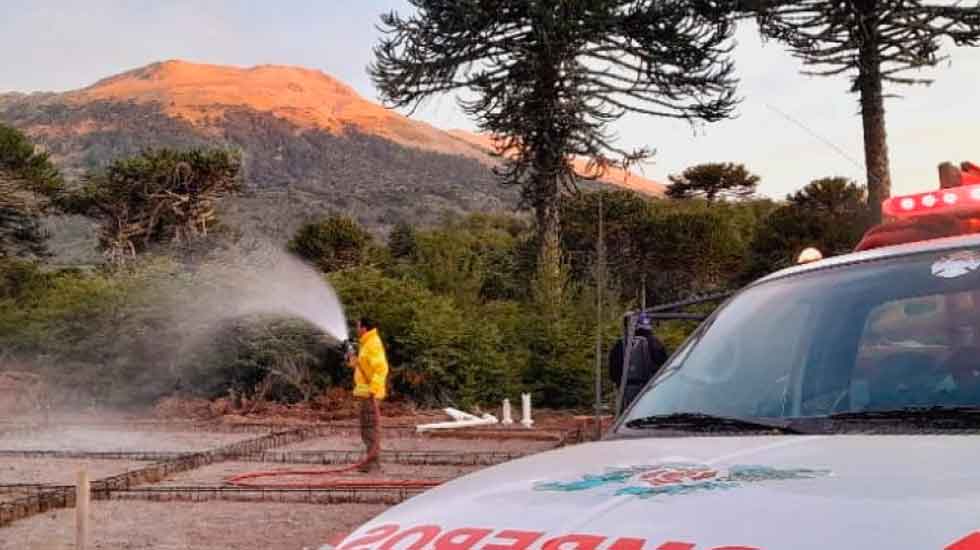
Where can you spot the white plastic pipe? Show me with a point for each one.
(506, 408)
(459, 415)
(485, 421)
(526, 410)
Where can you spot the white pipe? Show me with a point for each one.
(457, 414)
(485, 421)
(526, 410)
(507, 418)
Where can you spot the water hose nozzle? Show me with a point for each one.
(349, 347)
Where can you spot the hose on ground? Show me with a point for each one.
(335, 479)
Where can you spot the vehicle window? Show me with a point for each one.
(730, 372)
(908, 352)
(874, 336)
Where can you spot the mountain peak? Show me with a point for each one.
(203, 94)
(181, 72)
(307, 98)
(195, 91)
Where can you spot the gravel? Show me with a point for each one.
(107, 440)
(58, 471)
(207, 525)
(137, 525)
(8, 496)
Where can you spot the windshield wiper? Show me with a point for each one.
(959, 415)
(707, 422)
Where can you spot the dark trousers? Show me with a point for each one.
(370, 430)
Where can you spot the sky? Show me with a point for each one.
(790, 129)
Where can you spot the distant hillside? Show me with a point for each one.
(614, 176)
(311, 144)
(308, 99)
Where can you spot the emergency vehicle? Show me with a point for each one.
(832, 405)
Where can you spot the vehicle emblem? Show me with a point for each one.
(956, 265)
(677, 479)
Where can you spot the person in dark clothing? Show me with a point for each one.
(647, 355)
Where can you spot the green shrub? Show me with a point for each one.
(332, 244)
(830, 214)
(460, 316)
(20, 159)
(440, 353)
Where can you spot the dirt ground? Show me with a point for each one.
(98, 439)
(58, 471)
(221, 524)
(214, 474)
(136, 525)
(8, 495)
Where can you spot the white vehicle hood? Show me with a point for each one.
(837, 492)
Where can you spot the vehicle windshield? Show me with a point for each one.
(890, 335)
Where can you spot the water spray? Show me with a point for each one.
(282, 284)
(265, 280)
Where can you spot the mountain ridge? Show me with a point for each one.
(612, 175)
(308, 98)
(301, 131)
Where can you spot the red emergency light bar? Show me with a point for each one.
(952, 210)
(954, 200)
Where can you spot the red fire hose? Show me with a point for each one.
(334, 475)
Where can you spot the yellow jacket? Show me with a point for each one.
(371, 374)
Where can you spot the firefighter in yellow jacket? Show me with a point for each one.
(370, 381)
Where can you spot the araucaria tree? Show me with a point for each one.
(713, 181)
(876, 42)
(547, 77)
(159, 196)
(28, 182)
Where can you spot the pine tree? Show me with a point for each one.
(28, 182)
(713, 181)
(548, 77)
(159, 196)
(401, 242)
(876, 42)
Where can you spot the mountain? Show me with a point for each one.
(311, 143)
(613, 176)
(308, 99)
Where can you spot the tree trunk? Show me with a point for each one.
(549, 238)
(549, 147)
(873, 118)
